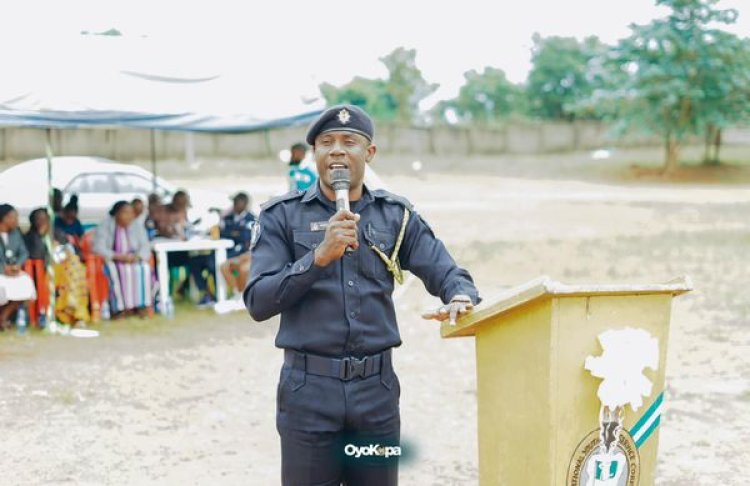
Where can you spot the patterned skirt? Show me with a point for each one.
(129, 285)
(72, 302)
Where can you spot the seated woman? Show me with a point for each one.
(68, 224)
(17, 285)
(72, 301)
(126, 250)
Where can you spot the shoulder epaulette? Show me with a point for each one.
(389, 197)
(293, 194)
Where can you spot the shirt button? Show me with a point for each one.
(352, 314)
(382, 246)
(350, 283)
(315, 245)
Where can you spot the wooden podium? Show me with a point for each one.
(538, 411)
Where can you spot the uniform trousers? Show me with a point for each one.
(325, 422)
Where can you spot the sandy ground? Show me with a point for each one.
(191, 400)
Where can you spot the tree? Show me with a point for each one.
(405, 83)
(678, 75)
(395, 98)
(561, 77)
(485, 97)
(370, 94)
(725, 82)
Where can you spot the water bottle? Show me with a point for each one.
(150, 229)
(169, 309)
(21, 320)
(105, 310)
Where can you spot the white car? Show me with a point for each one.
(99, 183)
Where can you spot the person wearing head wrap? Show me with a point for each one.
(17, 285)
(67, 222)
(127, 253)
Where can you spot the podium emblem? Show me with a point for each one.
(591, 466)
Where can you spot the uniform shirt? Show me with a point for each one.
(345, 308)
(301, 177)
(238, 228)
(12, 250)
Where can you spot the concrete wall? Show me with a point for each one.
(18, 144)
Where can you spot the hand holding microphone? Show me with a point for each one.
(341, 182)
(341, 232)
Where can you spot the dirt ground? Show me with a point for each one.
(192, 400)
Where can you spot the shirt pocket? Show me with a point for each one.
(306, 241)
(373, 265)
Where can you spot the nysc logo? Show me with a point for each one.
(589, 466)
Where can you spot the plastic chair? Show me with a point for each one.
(37, 270)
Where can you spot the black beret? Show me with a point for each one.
(347, 118)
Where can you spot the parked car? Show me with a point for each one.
(99, 183)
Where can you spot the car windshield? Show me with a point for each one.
(137, 184)
(92, 183)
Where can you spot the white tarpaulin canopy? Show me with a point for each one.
(102, 80)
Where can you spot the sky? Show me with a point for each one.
(279, 50)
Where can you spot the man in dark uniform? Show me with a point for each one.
(237, 226)
(337, 391)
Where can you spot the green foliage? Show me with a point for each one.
(676, 76)
(371, 94)
(405, 84)
(485, 97)
(679, 75)
(724, 81)
(562, 76)
(396, 98)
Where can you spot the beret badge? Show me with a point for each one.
(344, 116)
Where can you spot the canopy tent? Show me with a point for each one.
(85, 82)
(88, 81)
(186, 122)
(115, 81)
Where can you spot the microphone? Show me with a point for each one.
(341, 181)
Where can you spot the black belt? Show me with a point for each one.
(341, 368)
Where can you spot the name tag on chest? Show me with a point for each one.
(318, 225)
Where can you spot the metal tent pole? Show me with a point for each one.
(153, 160)
(52, 325)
